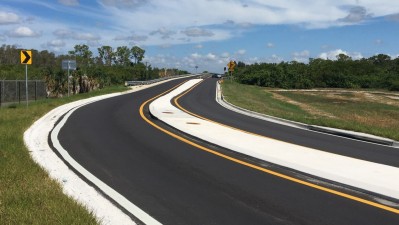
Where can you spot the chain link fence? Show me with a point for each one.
(14, 91)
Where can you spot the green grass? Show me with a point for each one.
(27, 194)
(345, 111)
(257, 99)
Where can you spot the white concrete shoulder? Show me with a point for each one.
(36, 140)
(362, 174)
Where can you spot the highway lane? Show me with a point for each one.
(201, 102)
(177, 183)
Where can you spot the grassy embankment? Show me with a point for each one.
(27, 194)
(358, 110)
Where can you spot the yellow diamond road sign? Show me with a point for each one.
(231, 65)
(26, 57)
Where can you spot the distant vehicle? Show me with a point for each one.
(216, 75)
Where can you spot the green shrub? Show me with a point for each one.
(394, 86)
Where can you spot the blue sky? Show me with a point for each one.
(207, 33)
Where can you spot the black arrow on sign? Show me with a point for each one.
(27, 57)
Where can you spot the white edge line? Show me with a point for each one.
(114, 195)
(120, 199)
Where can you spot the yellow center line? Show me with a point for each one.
(201, 117)
(296, 180)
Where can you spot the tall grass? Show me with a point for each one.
(27, 194)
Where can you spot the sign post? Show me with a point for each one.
(68, 65)
(26, 58)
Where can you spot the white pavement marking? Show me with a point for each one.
(366, 175)
(36, 140)
(120, 199)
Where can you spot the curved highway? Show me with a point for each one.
(176, 183)
(201, 102)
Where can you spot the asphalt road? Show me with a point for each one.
(201, 102)
(177, 183)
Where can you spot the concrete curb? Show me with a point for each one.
(361, 175)
(68, 173)
(338, 132)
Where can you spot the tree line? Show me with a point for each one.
(109, 67)
(379, 71)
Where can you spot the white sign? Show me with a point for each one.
(69, 64)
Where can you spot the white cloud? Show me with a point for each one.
(86, 37)
(63, 33)
(22, 32)
(56, 43)
(225, 55)
(310, 13)
(233, 24)
(302, 56)
(139, 38)
(356, 14)
(356, 55)
(198, 46)
(165, 46)
(274, 59)
(9, 18)
(93, 43)
(195, 56)
(197, 32)
(270, 45)
(69, 2)
(123, 3)
(186, 21)
(394, 17)
(270, 59)
(134, 38)
(241, 52)
(165, 33)
(76, 35)
(170, 23)
(332, 55)
(378, 42)
(211, 57)
(325, 47)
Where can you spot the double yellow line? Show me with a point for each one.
(293, 179)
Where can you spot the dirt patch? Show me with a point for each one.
(309, 109)
(339, 96)
(376, 120)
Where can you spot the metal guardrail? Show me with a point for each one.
(145, 82)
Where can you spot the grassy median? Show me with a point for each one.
(27, 194)
(369, 111)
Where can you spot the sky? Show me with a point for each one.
(184, 34)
